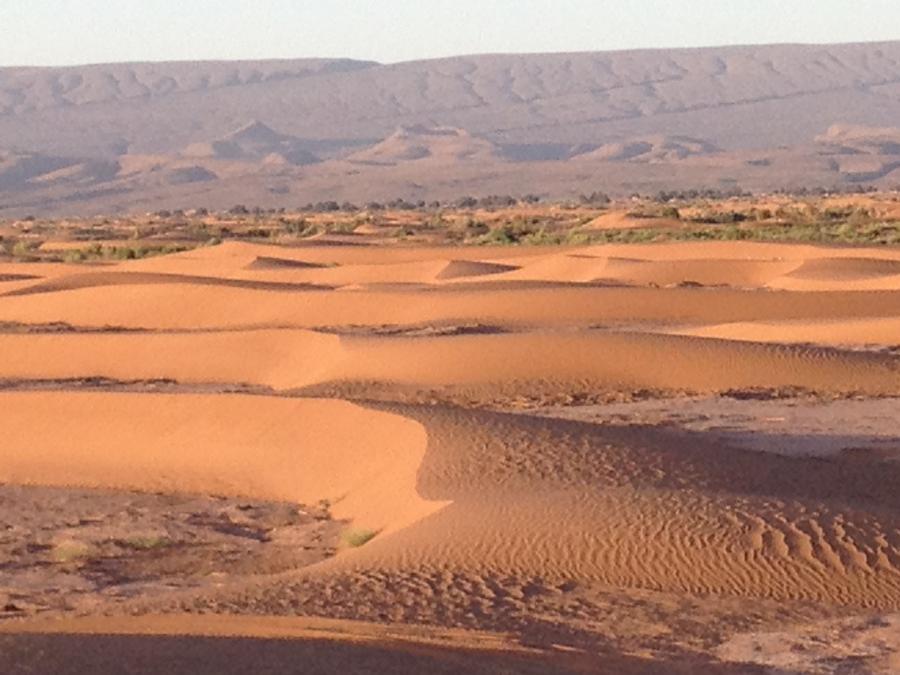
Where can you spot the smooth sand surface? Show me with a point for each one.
(291, 450)
(876, 332)
(514, 361)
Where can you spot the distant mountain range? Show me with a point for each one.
(137, 137)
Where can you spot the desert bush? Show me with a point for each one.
(71, 550)
(655, 211)
(595, 199)
(357, 538)
(719, 217)
(299, 228)
(97, 252)
(339, 227)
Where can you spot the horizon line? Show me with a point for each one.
(376, 63)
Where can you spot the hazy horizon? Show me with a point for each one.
(56, 33)
(447, 56)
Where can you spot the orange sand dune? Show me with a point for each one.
(847, 273)
(456, 269)
(121, 278)
(270, 263)
(290, 359)
(491, 516)
(267, 273)
(219, 645)
(710, 263)
(631, 360)
(293, 450)
(639, 508)
(35, 269)
(265, 627)
(707, 272)
(235, 255)
(861, 332)
(286, 266)
(195, 306)
(281, 359)
(531, 497)
(213, 287)
(739, 250)
(846, 269)
(582, 267)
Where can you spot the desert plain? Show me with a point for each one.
(374, 449)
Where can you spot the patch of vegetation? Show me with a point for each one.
(719, 217)
(818, 231)
(299, 228)
(529, 234)
(655, 211)
(98, 252)
(340, 227)
(813, 232)
(21, 250)
(357, 538)
(71, 550)
(510, 233)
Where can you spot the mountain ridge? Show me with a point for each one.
(762, 105)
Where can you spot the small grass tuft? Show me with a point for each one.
(357, 538)
(70, 551)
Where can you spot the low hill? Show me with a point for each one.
(420, 142)
(253, 142)
(659, 148)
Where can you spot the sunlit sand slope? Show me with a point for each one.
(291, 359)
(553, 501)
(494, 495)
(293, 450)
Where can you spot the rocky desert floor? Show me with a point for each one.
(350, 457)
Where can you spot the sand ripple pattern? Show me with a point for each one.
(644, 509)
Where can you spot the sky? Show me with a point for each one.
(67, 32)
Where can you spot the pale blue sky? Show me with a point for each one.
(45, 32)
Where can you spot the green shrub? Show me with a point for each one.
(357, 538)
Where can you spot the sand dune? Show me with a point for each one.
(192, 306)
(705, 272)
(567, 534)
(233, 255)
(117, 278)
(511, 362)
(849, 273)
(456, 269)
(302, 451)
(846, 269)
(269, 263)
(876, 332)
(637, 508)
(741, 264)
(231, 645)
